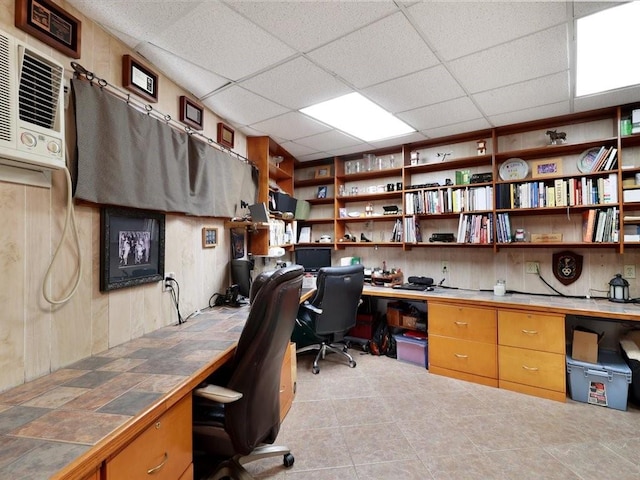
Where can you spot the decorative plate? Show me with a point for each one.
(354, 214)
(514, 169)
(587, 159)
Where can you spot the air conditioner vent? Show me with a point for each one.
(39, 91)
(6, 125)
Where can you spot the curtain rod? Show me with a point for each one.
(80, 71)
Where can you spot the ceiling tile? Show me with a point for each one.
(386, 49)
(298, 150)
(307, 25)
(296, 84)
(136, 19)
(530, 57)
(390, 142)
(481, 24)
(454, 129)
(291, 125)
(534, 93)
(529, 114)
(433, 85)
(241, 106)
(445, 113)
(314, 156)
(192, 77)
(223, 42)
(335, 138)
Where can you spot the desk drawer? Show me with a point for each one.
(469, 323)
(464, 356)
(163, 451)
(537, 369)
(531, 330)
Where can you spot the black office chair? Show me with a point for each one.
(236, 415)
(324, 320)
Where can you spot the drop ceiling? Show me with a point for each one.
(443, 67)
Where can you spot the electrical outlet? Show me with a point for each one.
(166, 284)
(629, 271)
(445, 266)
(532, 267)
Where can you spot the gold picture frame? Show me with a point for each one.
(549, 167)
(209, 237)
(322, 172)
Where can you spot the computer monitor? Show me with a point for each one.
(313, 259)
(241, 275)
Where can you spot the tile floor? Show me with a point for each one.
(387, 420)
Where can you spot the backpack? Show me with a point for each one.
(383, 342)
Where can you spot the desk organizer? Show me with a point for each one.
(605, 383)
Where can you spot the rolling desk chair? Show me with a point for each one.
(238, 414)
(324, 320)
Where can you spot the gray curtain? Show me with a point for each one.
(129, 158)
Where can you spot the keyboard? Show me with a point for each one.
(413, 286)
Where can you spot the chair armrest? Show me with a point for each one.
(311, 308)
(218, 394)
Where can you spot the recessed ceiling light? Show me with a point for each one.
(604, 51)
(357, 116)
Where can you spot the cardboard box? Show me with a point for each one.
(585, 346)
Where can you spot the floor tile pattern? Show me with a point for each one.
(386, 419)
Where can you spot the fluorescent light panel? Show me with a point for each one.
(357, 116)
(605, 49)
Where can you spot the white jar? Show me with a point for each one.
(499, 289)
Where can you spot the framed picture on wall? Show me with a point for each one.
(50, 24)
(131, 247)
(191, 113)
(139, 79)
(226, 135)
(209, 237)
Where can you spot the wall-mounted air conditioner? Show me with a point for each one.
(31, 112)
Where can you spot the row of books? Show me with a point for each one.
(558, 193)
(412, 230)
(475, 228)
(503, 228)
(396, 233)
(449, 200)
(604, 160)
(600, 225)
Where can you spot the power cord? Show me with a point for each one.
(70, 219)
(176, 297)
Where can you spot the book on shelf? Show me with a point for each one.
(588, 223)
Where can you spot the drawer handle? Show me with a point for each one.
(530, 332)
(462, 324)
(531, 369)
(461, 355)
(153, 470)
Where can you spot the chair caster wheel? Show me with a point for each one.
(315, 370)
(352, 364)
(288, 460)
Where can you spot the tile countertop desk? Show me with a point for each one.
(77, 422)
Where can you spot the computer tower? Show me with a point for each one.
(241, 275)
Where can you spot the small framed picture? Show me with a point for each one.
(226, 135)
(139, 79)
(549, 167)
(342, 212)
(323, 172)
(322, 191)
(209, 237)
(191, 113)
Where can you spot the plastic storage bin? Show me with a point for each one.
(605, 383)
(412, 350)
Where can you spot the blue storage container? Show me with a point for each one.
(605, 383)
(411, 350)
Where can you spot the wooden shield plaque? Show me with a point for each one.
(567, 267)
